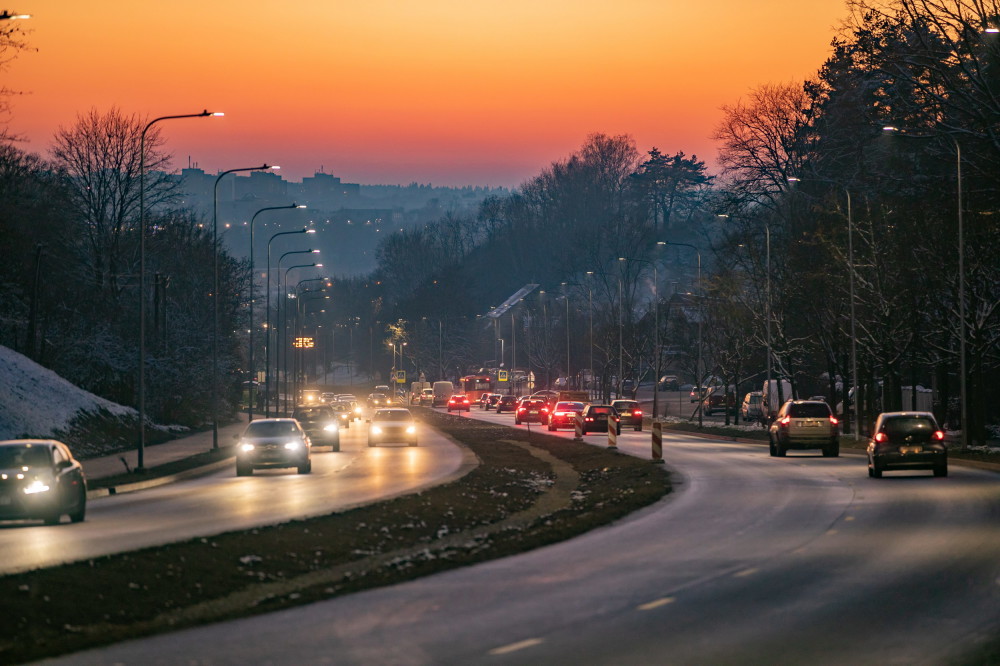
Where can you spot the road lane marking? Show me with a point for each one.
(656, 604)
(514, 647)
(745, 572)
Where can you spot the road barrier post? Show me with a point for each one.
(578, 425)
(612, 433)
(657, 442)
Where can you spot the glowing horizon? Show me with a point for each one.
(442, 91)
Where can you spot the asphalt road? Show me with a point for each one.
(751, 560)
(223, 502)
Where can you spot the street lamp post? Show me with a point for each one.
(142, 260)
(282, 322)
(215, 296)
(267, 313)
(701, 316)
(964, 433)
(253, 278)
(656, 327)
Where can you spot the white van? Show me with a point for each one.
(772, 402)
(442, 392)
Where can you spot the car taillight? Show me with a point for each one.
(545, 409)
(589, 418)
(522, 409)
(785, 421)
(636, 412)
(881, 437)
(833, 420)
(938, 435)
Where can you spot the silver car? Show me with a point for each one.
(392, 425)
(270, 443)
(805, 424)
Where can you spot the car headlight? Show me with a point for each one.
(36, 486)
(331, 427)
(357, 410)
(344, 416)
(410, 430)
(293, 445)
(376, 430)
(246, 446)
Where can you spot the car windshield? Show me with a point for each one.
(23, 456)
(392, 415)
(910, 425)
(809, 410)
(313, 413)
(271, 429)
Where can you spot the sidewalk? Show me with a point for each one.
(159, 454)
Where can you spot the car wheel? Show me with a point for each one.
(618, 430)
(371, 443)
(81, 508)
(780, 450)
(942, 469)
(831, 451)
(244, 470)
(638, 428)
(517, 421)
(336, 447)
(306, 467)
(771, 448)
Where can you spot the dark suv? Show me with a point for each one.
(907, 440)
(805, 424)
(321, 423)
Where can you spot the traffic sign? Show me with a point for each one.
(502, 376)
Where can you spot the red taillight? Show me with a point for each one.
(938, 435)
(545, 409)
(880, 437)
(521, 409)
(636, 412)
(833, 420)
(589, 418)
(785, 421)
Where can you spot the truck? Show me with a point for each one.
(415, 389)
(771, 402)
(442, 392)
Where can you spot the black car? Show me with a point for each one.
(507, 403)
(907, 440)
(40, 479)
(321, 423)
(564, 414)
(629, 412)
(532, 409)
(597, 417)
(268, 443)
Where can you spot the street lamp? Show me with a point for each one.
(215, 297)
(142, 258)
(282, 321)
(252, 279)
(701, 314)
(850, 277)
(656, 328)
(961, 280)
(7, 16)
(267, 309)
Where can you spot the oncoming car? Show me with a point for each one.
(392, 425)
(40, 479)
(321, 423)
(907, 440)
(269, 443)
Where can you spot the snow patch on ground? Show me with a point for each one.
(36, 402)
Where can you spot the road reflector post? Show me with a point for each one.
(657, 442)
(612, 433)
(578, 425)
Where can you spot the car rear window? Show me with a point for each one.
(600, 410)
(313, 413)
(570, 406)
(910, 425)
(809, 410)
(624, 404)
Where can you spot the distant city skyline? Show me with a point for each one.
(439, 92)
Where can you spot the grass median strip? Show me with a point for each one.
(530, 489)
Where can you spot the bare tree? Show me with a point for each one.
(99, 159)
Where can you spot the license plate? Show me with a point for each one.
(910, 449)
(811, 424)
(532, 412)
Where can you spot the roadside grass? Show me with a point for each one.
(530, 489)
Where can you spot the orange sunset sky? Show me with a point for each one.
(449, 92)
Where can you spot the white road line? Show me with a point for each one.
(514, 647)
(656, 604)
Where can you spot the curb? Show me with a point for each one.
(162, 480)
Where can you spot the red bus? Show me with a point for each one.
(474, 386)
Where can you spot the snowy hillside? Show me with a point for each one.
(36, 402)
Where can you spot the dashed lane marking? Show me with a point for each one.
(514, 647)
(656, 604)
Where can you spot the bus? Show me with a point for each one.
(474, 386)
